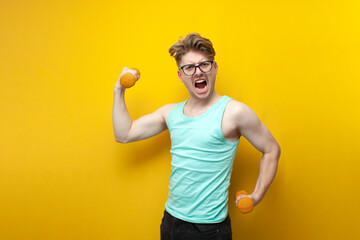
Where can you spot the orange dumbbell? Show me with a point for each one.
(128, 79)
(245, 204)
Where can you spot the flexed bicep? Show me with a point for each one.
(146, 126)
(149, 125)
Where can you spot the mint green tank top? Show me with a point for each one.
(201, 164)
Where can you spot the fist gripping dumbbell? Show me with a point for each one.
(127, 80)
(245, 204)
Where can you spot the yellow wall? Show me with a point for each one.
(62, 175)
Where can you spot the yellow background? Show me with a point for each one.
(63, 176)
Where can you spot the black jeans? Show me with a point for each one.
(175, 229)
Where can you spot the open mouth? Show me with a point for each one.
(200, 84)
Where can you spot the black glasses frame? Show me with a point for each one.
(197, 66)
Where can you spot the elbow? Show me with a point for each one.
(274, 152)
(277, 152)
(122, 140)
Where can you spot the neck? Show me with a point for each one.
(201, 103)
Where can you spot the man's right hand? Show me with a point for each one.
(118, 85)
(125, 129)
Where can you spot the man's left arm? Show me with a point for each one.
(250, 126)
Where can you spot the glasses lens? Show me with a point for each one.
(189, 69)
(205, 66)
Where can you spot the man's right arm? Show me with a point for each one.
(125, 129)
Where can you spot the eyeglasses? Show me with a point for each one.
(190, 69)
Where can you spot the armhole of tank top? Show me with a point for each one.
(220, 132)
(172, 112)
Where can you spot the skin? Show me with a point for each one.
(239, 119)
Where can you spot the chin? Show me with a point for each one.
(203, 93)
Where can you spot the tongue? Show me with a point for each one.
(200, 85)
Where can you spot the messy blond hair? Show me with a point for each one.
(192, 42)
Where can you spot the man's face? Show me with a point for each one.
(200, 85)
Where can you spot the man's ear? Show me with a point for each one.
(216, 67)
(179, 75)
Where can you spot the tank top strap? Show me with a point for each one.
(215, 114)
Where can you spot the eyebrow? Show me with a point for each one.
(195, 63)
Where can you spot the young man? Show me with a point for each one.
(205, 132)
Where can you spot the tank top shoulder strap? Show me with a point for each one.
(220, 106)
(175, 113)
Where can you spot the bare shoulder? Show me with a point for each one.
(241, 115)
(165, 110)
(238, 110)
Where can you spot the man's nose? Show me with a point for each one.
(197, 70)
